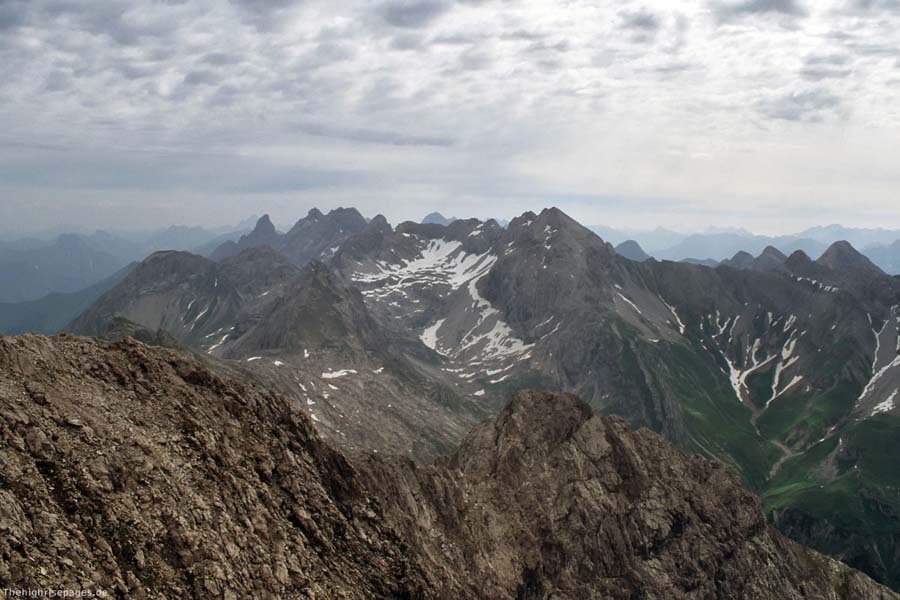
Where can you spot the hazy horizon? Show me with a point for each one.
(283, 225)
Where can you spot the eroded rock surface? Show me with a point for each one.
(136, 470)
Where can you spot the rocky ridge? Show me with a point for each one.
(137, 470)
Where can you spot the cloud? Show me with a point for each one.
(829, 66)
(412, 103)
(810, 105)
(642, 20)
(642, 24)
(412, 14)
(791, 8)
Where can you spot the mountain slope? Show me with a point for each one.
(138, 472)
(302, 332)
(750, 366)
(163, 478)
(546, 501)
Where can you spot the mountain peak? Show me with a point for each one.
(437, 218)
(379, 222)
(773, 252)
(265, 224)
(798, 258)
(631, 250)
(771, 258)
(842, 256)
(314, 213)
(742, 259)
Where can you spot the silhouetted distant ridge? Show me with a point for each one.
(631, 250)
(437, 218)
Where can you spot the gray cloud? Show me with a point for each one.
(412, 14)
(874, 5)
(811, 106)
(791, 8)
(407, 104)
(642, 20)
(641, 24)
(829, 66)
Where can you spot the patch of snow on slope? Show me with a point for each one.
(198, 317)
(681, 327)
(630, 303)
(885, 406)
(220, 342)
(336, 374)
(877, 376)
(429, 337)
(787, 361)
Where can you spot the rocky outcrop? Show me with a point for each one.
(134, 470)
(548, 501)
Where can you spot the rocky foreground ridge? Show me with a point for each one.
(136, 470)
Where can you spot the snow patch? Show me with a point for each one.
(336, 374)
(885, 406)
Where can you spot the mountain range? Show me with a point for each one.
(140, 472)
(400, 339)
(32, 268)
(882, 246)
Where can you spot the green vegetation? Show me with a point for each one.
(716, 420)
(799, 414)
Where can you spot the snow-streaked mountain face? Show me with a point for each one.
(404, 334)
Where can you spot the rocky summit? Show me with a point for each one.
(136, 470)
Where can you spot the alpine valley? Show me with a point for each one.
(397, 341)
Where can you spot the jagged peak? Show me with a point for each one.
(380, 224)
(773, 252)
(522, 221)
(533, 421)
(264, 226)
(341, 211)
(799, 257)
(842, 255)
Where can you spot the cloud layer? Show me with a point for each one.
(766, 113)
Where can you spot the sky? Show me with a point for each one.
(772, 115)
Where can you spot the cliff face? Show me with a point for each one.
(135, 470)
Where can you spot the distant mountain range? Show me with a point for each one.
(882, 246)
(399, 339)
(32, 268)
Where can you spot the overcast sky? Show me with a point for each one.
(769, 114)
